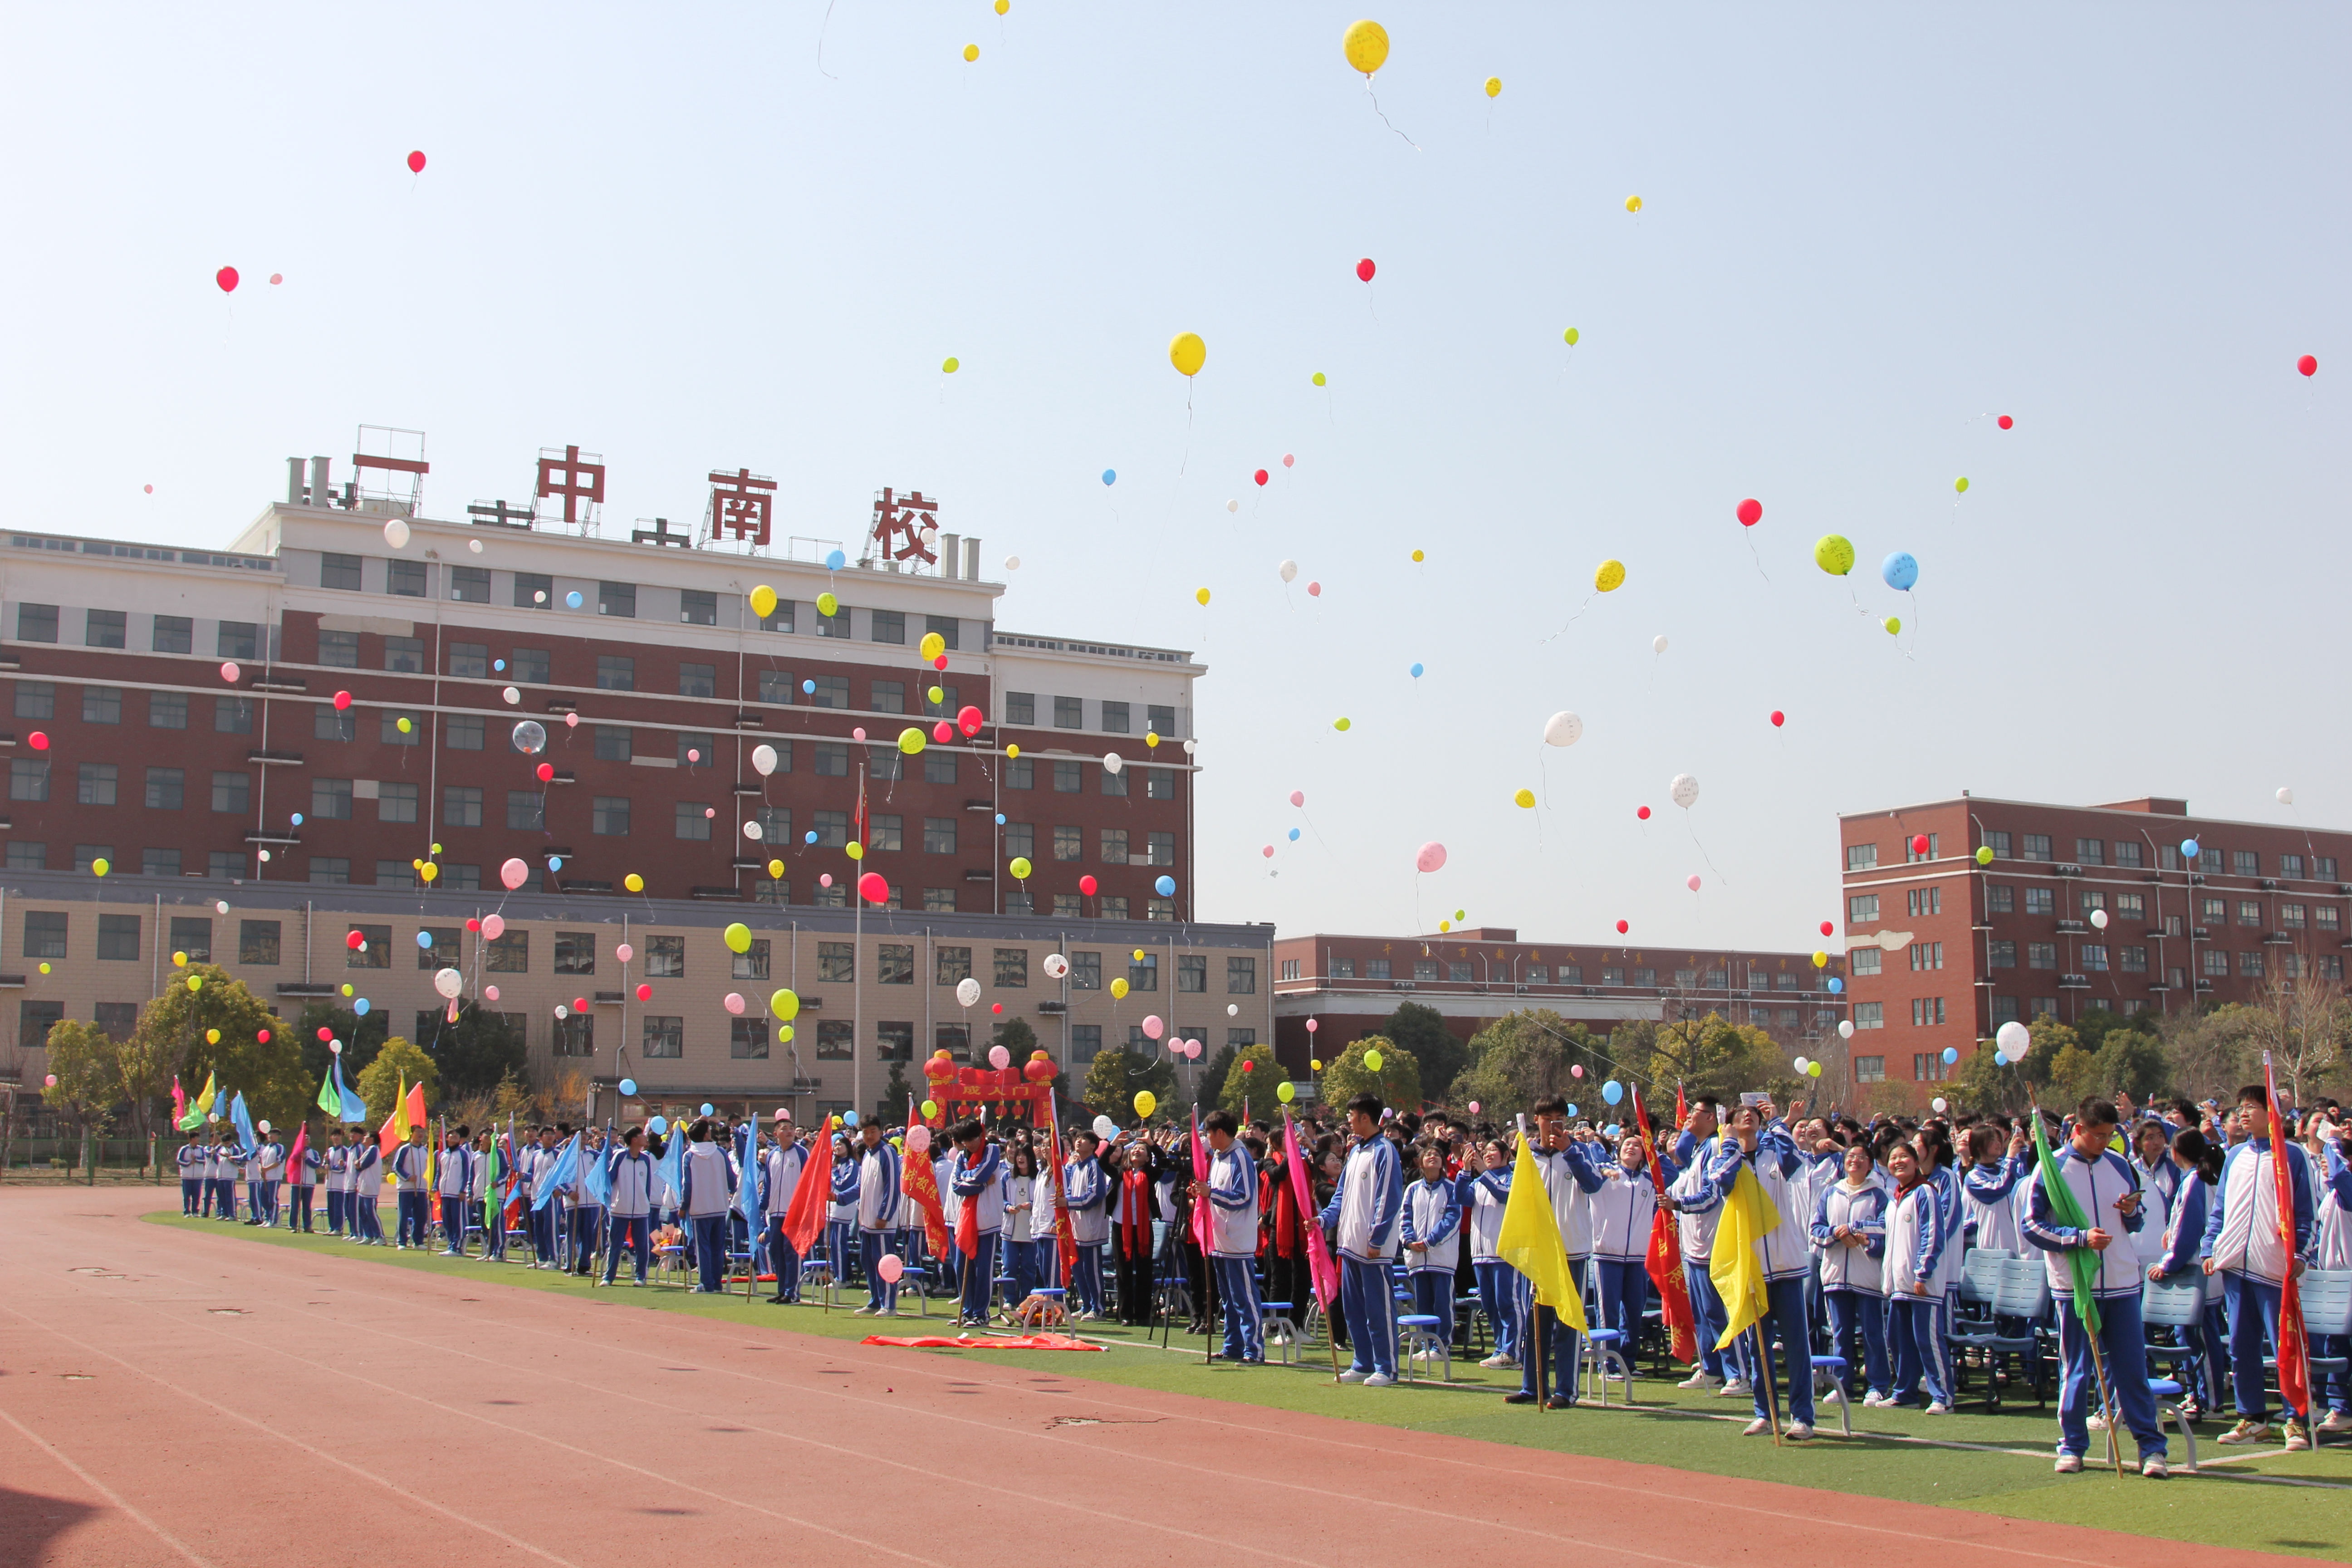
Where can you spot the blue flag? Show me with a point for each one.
(355, 1108)
(672, 1164)
(747, 1191)
(243, 1122)
(599, 1181)
(566, 1171)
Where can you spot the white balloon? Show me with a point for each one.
(1012, 563)
(763, 759)
(967, 990)
(2287, 797)
(1233, 1009)
(1683, 791)
(1563, 728)
(918, 1140)
(511, 695)
(2099, 919)
(395, 533)
(449, 982)
(221, 908)
(1937, 1105)
(1232, 506)
(475, 545)
(1845, 1028)
(1056, 966)
(2014, 1039)
(1104, 1127)
(1189, 747)
(1113, 761)
(264, 1126)
(753, 831)
(1801, 1064)
(1289, 569)
(1658, 643)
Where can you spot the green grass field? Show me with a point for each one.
(2268, 1500)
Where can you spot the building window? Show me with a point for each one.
(1069, 713)
(103, 628)
(2000, 900)
(2324, 868)
(1870, 1015)
(665, 1036)
(1861, 856)
(1460, 974)
(938, 900)
(338, 571)
(2326, 917)
(698, 607)
(939, 765)
(2247, 862)
(1912, 856)
(330, 799)
(748, 1039)
(2041, 956)
(1241, 976)
(831, 760)
(2216, 964)
(1926, 1011)
(526, 811)
(939, 835)
(508, 953)
(405, 578)
(1869, 1069)
(404, 655)
(1864, 959)
(888, 696)
(2127, 854)
(2001, 955)
(834, 626)
(1927, 1066)
(888, 626)
(780, 619)
(776, 686)
(1192, 971)
(1926, 955)
(1020, 708)
(118, 937)
(528, 665)
(2090, 851)
(232, 716)
(616, 672)
(617, 599)
(894, 1041)
(1374, 969)
(35, 700)
(1144, 976)
(1012, 968)
(894, 964)
(1114, 784)
(836, 962)
(666, 958)
(575, 953)
(1160, 849)
(1861, 908)
(174, 634)
(94, 785)
(751, 964)
(945, 628)
(1159, 783)
(2132, 960)
(374, 950)
(836, 1040)
(36, 623)
(691, 821)
(1114, 718)
(2250, 912)
(575, 1036)
(697, 680)
(167, 711)
(399, 728)
(611, 817)
(766, 890)
(2212, 912)
(1067, 778)
(2004, 1010)
(2249, 964)
(2040, 901)
(2290, 917)
(396, 802)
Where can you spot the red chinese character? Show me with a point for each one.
(905, 519)
(742, 505)
(580, 481)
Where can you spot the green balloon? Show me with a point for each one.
(1833, 553)
(1571, 336)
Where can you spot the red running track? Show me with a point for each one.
(169, 1398)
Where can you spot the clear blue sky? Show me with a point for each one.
(674, 239)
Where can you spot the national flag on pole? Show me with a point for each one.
(804, 1218)
(2068, 1212)
(1664, 1258)
(1734, 1267)
(1321, 1267)
(922, 1183)
(2294, 1349)
(1530, 1241)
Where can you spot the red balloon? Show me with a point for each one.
(226, 279)
(263, 1035)
(874, 887)
(1623, 927)
(2005, 422)
(644, 993)
(1643, 812)
(1364, 269)
(342, 699)
(1751, 513)
(580, 1003)
(1087, 885)
(546, 773)
(1260, 475)
(473, 925)
(353, 940)
(1827, 929)
(1779, 717)
(1249, 1067)
(941, 662)
(416, 162)
(969, 719)
(2308, 365)
(325, 1034)
(38, 739)
(997, 1007)
(1918, 844)
(943, 732)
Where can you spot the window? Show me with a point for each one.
(890, 697)
(330, 799)
(1926, 901)
(1067, 778)
(894, 965)
(2127, 854)
(1641, 976)
(2324, 868)
(256, 941)
(329, 723)
(35, 700)
(1159, 719)
(2290, 866)
(167, 709)
(2212, 912)
(748, 1039)
(888, 626)
(834, 626)
(2094, 955)
(1192, 971)
(836, 962)
(2331, 966)
(2001, 955)
(101, 705)
(610, 819)
(442, 948)
(233, 792)
(1020, 773)
(575, 953)
(829, 690)
(665, 1035)
(2216, 964)
(1927, 1066)
(2131, 905)
(1020, 708)
(1911, 854)
(1111, 907)
(1159, 783)
(470, 584)
(174, 634)
(939, 765)
(526, 810)
(2132, 960)
(575, 1036)
(836, 1040)
(1458, 972)
(1069, 713)
(1540, 974)
(1868, 1069)
(2090, 851)
(1114, 845)
(528, 665)
(2040, 901)
(691, 822)
(751, 964)
(1160, 849)
(232, 716)
(1870, 1015)
(2290, 917)
(1013, 968)
(944, 627)
(2246, 863)
(470, 661)
(463, 731)
(374, 951)
(2000, 900)
(36, 623)
(2004, 1010)
(938, 900)
(780, 619)
(1069, 843)
(831, 760)
(2249, 964)
(337, 571)
(939, 835)
(2250, 911)
(697, 680)
(192, 935)
(1145, 975)
(1086, 972)
(405, 655)
(832, 828)
(617, 599)
(405, 578)
(391, 729)
(2212, 861)
(1926, 955)
(44, 933)
(2041, 956)
(616, 672)
(2037, 847)
(1241, 976)
(534, 591)
(94, 785)
(698, 607)
(508, 953)
(776, 686)
(1861, 908)
(1114, 718)
(775, 825)
(118, 937)
(1114, 784)
(103, 628)
(886, 831)
(2326, 917)
(167, 789)
(238, 639)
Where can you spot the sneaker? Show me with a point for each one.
(1702, 1378)
(1756, 1428)
(2249, 1429)
(1737, 1388)
(1876, 1401)
(2298, 1436)
(1352, 1376)
(2097, 1422)
(2069, 1465)
(1379, 1380)
(2337, 1421)
(1495, 1362)
(2154, 1468)
(1560, 1401)
(1799, 1431)
(1939, 1408)
(866, 1311)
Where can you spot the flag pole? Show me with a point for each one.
(1764, 1371)
(2099, 1368)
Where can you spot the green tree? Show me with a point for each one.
(2050, 1039)
(82, 1060)
(1422, 1030)
(398, 1062)
(475, 1053)
(1519, 1058)
(1255, 1086)
(1398, 1083)
(2073, 1076)
(891, 1109)
(362, 1038)
(1980, 1085)
(2133, 1061)
(269, 1073)
(1118, 1075)
(1016, 1037)
(1219, 1066)
(1705, 1056)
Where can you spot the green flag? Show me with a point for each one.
(330, 1099)
(2069, 1213)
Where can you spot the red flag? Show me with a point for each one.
(967, 1215)
(294, 1154)
(2293, 1349)
(179, 1101)
(922, 1184)
(1682, 1110)
(805, 1215)
(1321, 1268)
(1065, 1245)
(1665, 1259)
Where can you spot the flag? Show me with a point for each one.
(355, 1108)
(922, 1184)
(967, 1211)
(179, 1100)
(244, 1121)
(1749, 1216)
(2066, 1210)
(566, 1170)
(294, 1163)
(433, 1171)
(1665, 1259)
(805, 1218)
(330, 1094)
(2294, 1349)
(394, 1131)
(671, 1163)
(1530, 1241)
(1321, 1267)
(205, 1100)
(417, 1104)
(747, 1190)
(1065, 1245)
(1203, 1222)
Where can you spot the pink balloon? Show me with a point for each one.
(1312, 1026)
(1574, 1070)
(148, 488)
(825, 880)
(1267, 852)
(514, 874)
(1691, 881)
(1314, 590)
(1154, 1027)
(693, 754)
(50, 1082)
(889, 1267)
(493, 926)
(572, 720)
(1193, 1049)
(1288, 459)
(1431, 856)
(999, 1058)
(735, 1002)
(1473, 1108)
(710, 812)
(230, 672)
(624, 953)
(490, 993)
(858, 733)
(277, 277)
(1298, 797)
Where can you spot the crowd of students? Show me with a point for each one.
(1865, 1259)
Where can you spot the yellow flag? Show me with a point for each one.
(205, 1100)
(400, 1109)
(1734, 1267)
(1529, 1242)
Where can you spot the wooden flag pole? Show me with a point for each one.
(1764, 1372)
(2099, 1367)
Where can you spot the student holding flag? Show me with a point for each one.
(1363, 1218)
(1567, 1171)
(876, 1191)
(1530, 1242)
(977, 1180)
(1230, 1195)
(339, 1171)
(629, 1181)
(2260, 1204)
(191, 1178)
(364, 1177)
(705, 1191)
(1483, 1194)
(586, 1194)
(1762, 1261)
(303, 1164)
(453, 1184)
(1085, 1199)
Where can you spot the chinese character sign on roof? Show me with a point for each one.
(905, 526)
(742, 506)
(572, 479)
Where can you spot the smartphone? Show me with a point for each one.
(1754, 1098)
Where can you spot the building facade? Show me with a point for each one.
(2076, 908)
(1350, 985)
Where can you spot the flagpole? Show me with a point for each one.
(1764, 1371)
(2099, 1368)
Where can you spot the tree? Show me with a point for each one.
(82, 1060)
(1518, 1060)
(2210, 1049)
(2133, 1060)
(1398, 1083)
(891, 1109)
(269, 1073)
(1118, 1075)
(362, 1038)
(1254, 1086)
(397, 1063)
(1016, 1037)
(1705, 1056)
(1216, 1071)
(1422, 1030)
(2050, 1039)
(475, 1053)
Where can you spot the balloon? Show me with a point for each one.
(951, 365)
(1801, 1064)
(1154, 1027)
(40, 741)
(854, 850)
(1833, 553)
(1836, 985)
(657, 1126)
(529, 735)
(1691, 881)
(1524, 799)
(2099, 919)
(1845, 1029)
(354, 941)
(2014, 1039)
(1316, 378)
(1633, 204)
(449, 983)
(1961, 485)
(1623, 926)
(1366, 44)
(1293, 835)
(1563, 728)
(230, 672)
(1414, 672)
(1146, 1103)
(1612, 1091)
(511, 695)
(764, 601)
(827, 605)
(1494, 89)
(226, 279)
(1750, 512)
(1106, 1128)
(918, 1138)
(1261, 477)
(2005, 422)
(2000, 1058)
(2188, 849)
(1113, 761)
(911, 740)
(1288, 570)
(1373, 1061)
(1430, 856)
(1900, 570)
(1683, 791)
(1020, 868)
(1937, 1104)
(1364, 270)
(1201, 597)
(785, 1005)
(1187, 352)
(1312, 1025)
(2308, 365)
(343, 700)
(1779, 717)
(545, 773)
(495, 926)
(1571, 337)
(416, 162)
(969, 718)
(1118, 989)
(572, 599)
(1165, 886)
(874, 887)
(395, 533)
(1608, 577)
(1919, 844)
(1282, 1091)
(1812, 1070)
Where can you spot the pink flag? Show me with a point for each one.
(294, 1155)
(1204, 1231)
(1319, 1265)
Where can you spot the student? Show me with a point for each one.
(262, 1169)
(2159, 1185)
(1086, 1193)
(1020, 1255)
(1621, 1210)
(977, 1179)
(1914, 1256)
(1044, 1197)
(365, 1176)
(303, 1184)
(415, 1216)
(452, 1183)
(1572, 1167)
(631, 1179)
(537, 1165)
(229, 1165)
(708, 1188)
(1132, 1205)
(784, 1160)
(588, 1215)
(338, 1172)
(1431, 1222)
(1990, 1183)
(1362, 1218)
(951, 1264)
(1850, 1230)
(1933, 1143)
(191, 1159)
(1759, 1142)
(1231, 1193)
(1697, 1208)
(2242, 1245)
(209, 1172)
(2333, 1251)
(877, 1210)
(841, 1216)
(1484, 1194)
(2198, 1163)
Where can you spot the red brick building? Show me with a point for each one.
(2076, 908)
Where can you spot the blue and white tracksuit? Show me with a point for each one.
(1698, 1209)
(841, 1218)
(2209, 1337)
(1570, 1177)
(1622, 1212)
(1432, 1215)
(303, 1183)
(877, 1216)
(226, 1160)
(339, 1187)
(784, 1163)
(191, 1178)
(1989, 1191)
(366, 1179)
(631, 1180)
(1232, 1249)
(1914, 1257)
(1020, 1253)
(1363, 1215)
(1089, 1229)
(456, 1184)
(1853, 1279)
(1786, 1253)
(708, 1179)
(1483, 1196)
(2241, 1236)
(415, 1217)
(979, 1183)
(2096, 1184)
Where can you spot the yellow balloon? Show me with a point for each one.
(1894, 625)
(1316, 378)
(417, 864)
(930, 1108)
(1151, 737)
(785, 1005)
(1138, 955)
(1187, 352)
(1961, 485)
(1610, 577)
(1014, 752)
(1366, 44)
(1342, 723)
(775, 868)
(1494, 87)
(1284, 1093)
(856, 850)
(931, 647)
(179, 960)
(1117, 987)
(1372, 1061)
(1833, 553)
(764, 601)
(911, 740)
(347, 989)
(1525, 800)
(1445, 925)
(1314, 1064)
(195, 982)
(1002, 8)
(100, 867)
(212, 1036)
(737, 937)
(45, 969)
(634, 882)
(1984, 855)
(437, 849)
(971, 53)
(1201, 597)
(1571, 337)
(1146, 1103)
(1821, 959)
(429, 871)
(950, 365)
(1020, 868)
(826, 605)
(402, 725)
(1633, 204)
(936, 694)
(1417, 555)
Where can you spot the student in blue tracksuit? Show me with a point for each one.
(1430, 1218)
(415, 1217)
(1622, 1212)
(338, 1180)
(303, 1185)
(1020, 1210)
(192, 1182)
(1849, 1229)
(538, 1166)
(1933, 1143)
(841, 1216)
(706, 1190)
(1572, 1166)
(228, 1163)
(1087, 1192)
(877, 1215)
(262, 1170)
(1914, 1251)
(1483, 1194)
(1362, 1219)
(366, 1180)
(632, 1178)
(1697, 1208)
(587, 1215)
(2242, 1246)
(2333, 1250)
(1759, 1143)
(1991, 1181)
(783, 1160)
(1231, 1193)
(2198, 1163)
(977, 1179)
(455, 1183)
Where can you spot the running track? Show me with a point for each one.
(169, 1398)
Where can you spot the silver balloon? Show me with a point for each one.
(530, 735)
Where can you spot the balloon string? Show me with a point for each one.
(1702, 849)
(820, 42)
(1758, 559)
(1384, 119)
(1579, 616)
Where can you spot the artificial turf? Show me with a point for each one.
(1996, 1463)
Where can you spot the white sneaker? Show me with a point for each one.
(1798, 1431)
(1352, 1376)
(2069, 1465)
(1379, 1380)
(1939, 1408)
(1497, 1360)
(2097, 1422)
(1756, 1428)
(2155, 1469)
(1876, 1401)
(1738, 1387)
(1702, 1378)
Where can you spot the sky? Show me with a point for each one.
(750, 235)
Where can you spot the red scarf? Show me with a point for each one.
(1135, 1212)
(1286, 1211)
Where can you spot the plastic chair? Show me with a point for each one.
(1419, 1341)
(669, 1259)
(1278, 1330)
(1601, 1351)
(2326, 1297)
(2018, 1288)
(2175, 1304)
(1835, 1367)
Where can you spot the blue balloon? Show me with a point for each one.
(2188, 848)
(835, 560)
(810, 836)
(1000, 819)
(1293, 835)
(498, 664)
(298, 819)
(657, 1126)
(555, 862)
(574, 599)
(808, 688)
(361, 1007)
(1612, 1091)
(1901, 569)
(1416, 672)
(628, 1086)
(849, 1119)
(1952, 1055)
(2000, 1058)
(1110, 476)
(1165, 886)
(705, 1108)
(424, 938)
(1836, 985)
(1571, 1110)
